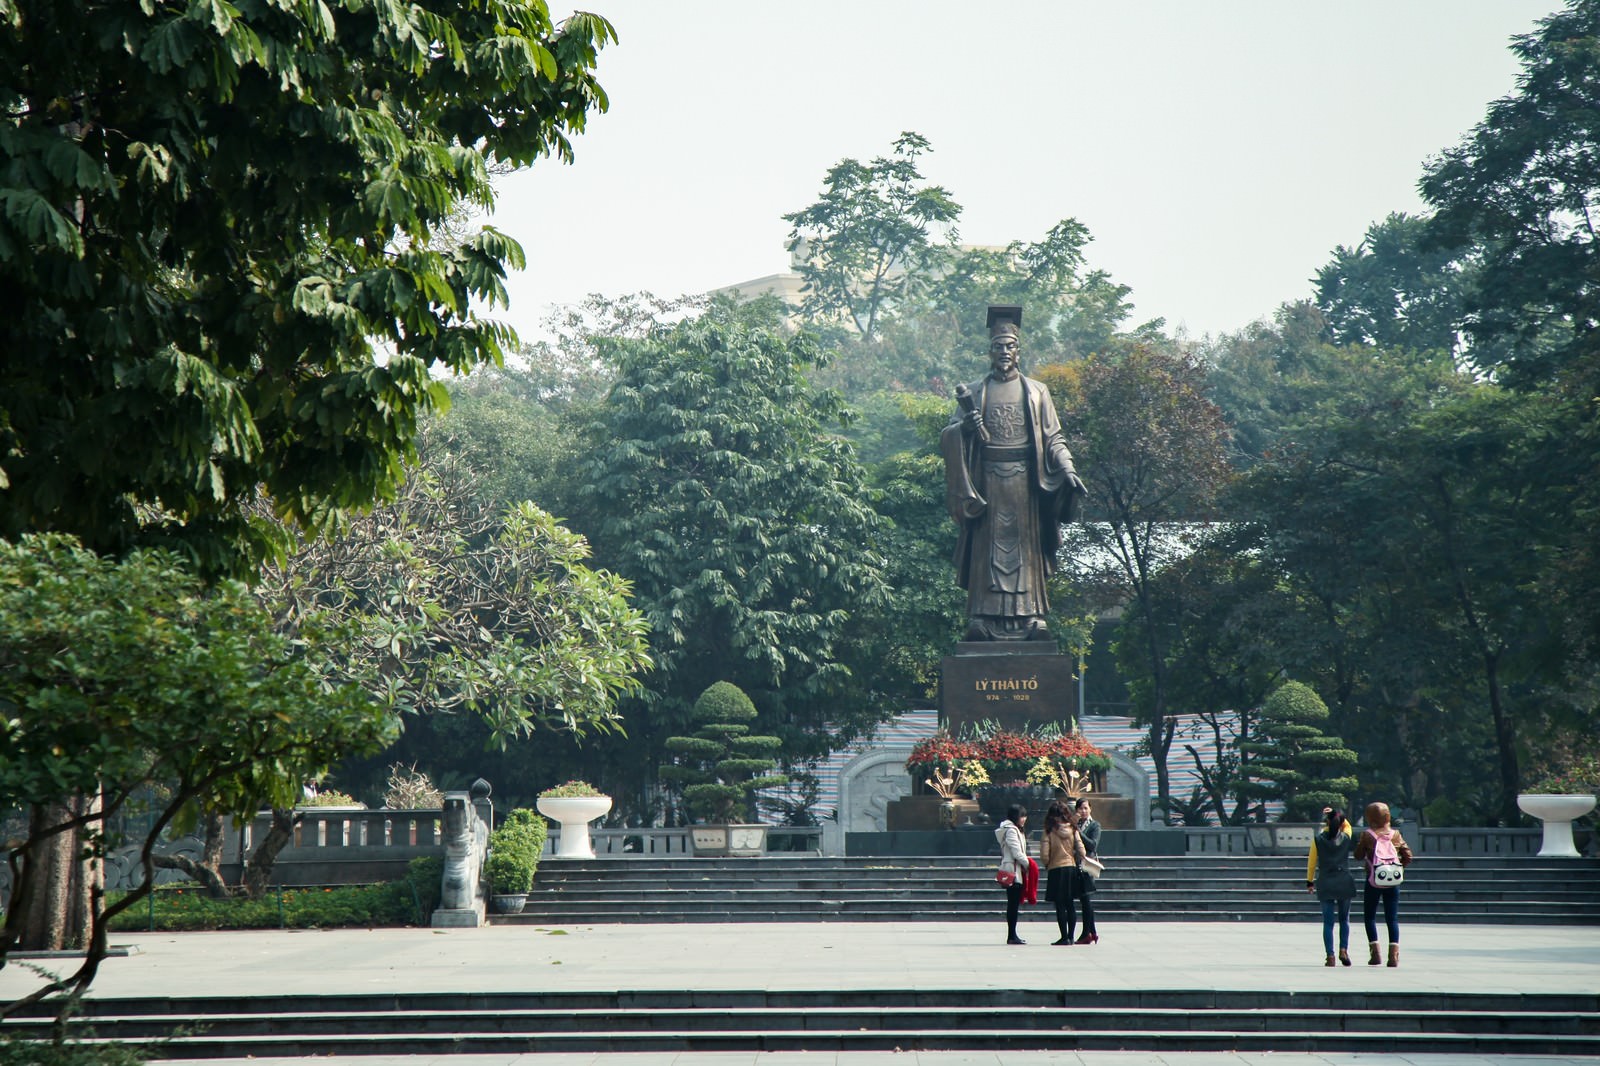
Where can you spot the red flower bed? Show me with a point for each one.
(1005, 754)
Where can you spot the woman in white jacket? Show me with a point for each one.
(1013, 837)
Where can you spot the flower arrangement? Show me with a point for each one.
(569, 789)
(1073, 783)
(1005, 756)
(960, 780)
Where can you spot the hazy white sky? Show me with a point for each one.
(1217, 151)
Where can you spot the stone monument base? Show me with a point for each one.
(1114, 812)
(1020, 684)
(923, 813)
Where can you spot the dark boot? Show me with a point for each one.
(1374, 958)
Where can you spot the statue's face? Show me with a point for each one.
(1003, 356)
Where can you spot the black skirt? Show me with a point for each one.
(1067, 882)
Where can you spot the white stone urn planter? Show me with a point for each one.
(1556, 811)
(574, 813)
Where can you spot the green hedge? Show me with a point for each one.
(409, 901)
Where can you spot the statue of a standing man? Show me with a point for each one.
(1009, 484)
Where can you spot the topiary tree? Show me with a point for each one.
(514, 850)
(1293, 760)
(721, 767)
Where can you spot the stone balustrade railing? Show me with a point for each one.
(659, 841)
(360, 847)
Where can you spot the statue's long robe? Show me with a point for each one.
(1008, 504)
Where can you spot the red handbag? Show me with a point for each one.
(1005, 878)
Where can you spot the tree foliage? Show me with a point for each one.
(1396, 289)
(1152, 451)
(1523, 187)
(220, 254)
(867, 247)
(115, 676)
(1408, 524)
(713, 483)
(460, 605)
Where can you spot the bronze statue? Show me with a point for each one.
(1009, 484)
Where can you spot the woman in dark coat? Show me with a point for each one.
(1328, 875)
(1089, 830)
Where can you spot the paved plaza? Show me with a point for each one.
(845, 957)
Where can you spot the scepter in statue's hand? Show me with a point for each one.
(969, 410)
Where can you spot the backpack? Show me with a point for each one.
(1383, 868)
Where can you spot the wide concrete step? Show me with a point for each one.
(1518, 890)
(859, 1020)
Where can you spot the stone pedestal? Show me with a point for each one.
(1114, 812)
(1020, 685)
(924, 813)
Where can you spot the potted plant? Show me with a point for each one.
(514, 850)
(1556, 800)
(719, 770)
(574, 804)
(1294, 762)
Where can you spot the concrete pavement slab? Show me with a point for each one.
(846, 957)
(826, 955)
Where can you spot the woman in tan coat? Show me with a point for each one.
(1061, 849)
(1383, 851)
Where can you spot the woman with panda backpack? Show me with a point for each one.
(1385, 853)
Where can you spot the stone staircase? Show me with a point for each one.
(1395, 1023)
(1188, 888)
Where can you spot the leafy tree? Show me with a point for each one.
(460, 606)
(1073, 312)
(939, 339)
(1152, 450)
(1412, 518)
(1521, 188)
(1267, 376)
(720, 769)
(908, 636)
(454, 606)
(221, 261)
(115, 676)
(1294, 760)
(1395, 289)
(1228, 616)
(866, 246)
(713, 484)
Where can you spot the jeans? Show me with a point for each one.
(1335, 910)
(1013, 905)
(1391, 911)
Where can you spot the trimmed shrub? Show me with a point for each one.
(1294, 761)
(514, 850)
(721, 767)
